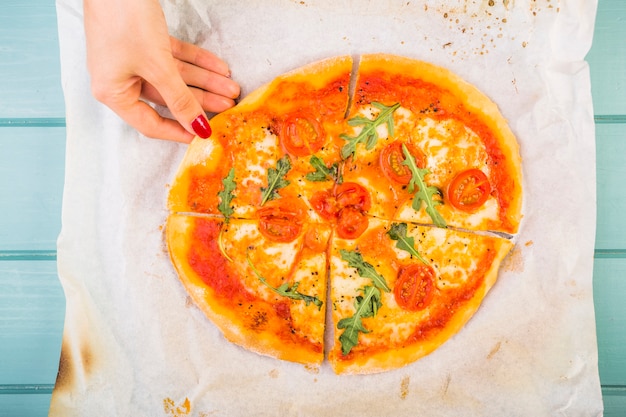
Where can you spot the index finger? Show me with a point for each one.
(200, 57)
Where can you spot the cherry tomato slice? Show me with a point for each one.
(391, 159)
(281, 220)
(351, 194)
(301, 135)
(346, 204)
(325, 204)
(414, 288)
(469, 190)
(351, 223)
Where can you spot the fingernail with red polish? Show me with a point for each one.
(201, 126)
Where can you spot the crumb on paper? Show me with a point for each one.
(494, 350)
(446, 385)
(514, 261)
(529, 243)
(314, 369)
(404, 387)
(274, 373)
(172, 409)
(189, 302)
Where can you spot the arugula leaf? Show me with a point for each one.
(226, 195)
(220, 245)
(285, 290)
(276, 180)
(365, 269)
(424, 193)
(407, 243)
(366, 305)
(368, 134)
(322, 172)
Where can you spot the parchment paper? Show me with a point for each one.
(135, 345)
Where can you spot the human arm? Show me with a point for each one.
(132, 58)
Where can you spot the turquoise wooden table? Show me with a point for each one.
(32, 146)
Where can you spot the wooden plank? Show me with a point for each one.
(30, 75)
(614, 402)
(607, 58)
(32, 311)
(24, 405)
(611, 192)
(31, 180)
(609, 290)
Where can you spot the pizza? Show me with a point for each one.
(349, 212)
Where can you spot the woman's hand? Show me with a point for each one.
(130, 57)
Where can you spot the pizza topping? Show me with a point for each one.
(351, 194)
(423, 193)
(220, 245)
(323, 172)
(365, 269)
(226, 195)
(414, 288)
(276, 180)
(407, 243)
(346, 204)
(392, 162)
(281, 220)
(369, 134)
(285, 290)
(351, 223)
(469, 190)
(365, 305)
(324, 204)
(301, 135)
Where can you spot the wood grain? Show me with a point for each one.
(30, 74)
(31, 173)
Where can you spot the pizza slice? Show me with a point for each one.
(401, 290)
(264, 148)
(431, 148)
(261, 282)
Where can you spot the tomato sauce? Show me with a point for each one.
(206, 259)
(201, 196)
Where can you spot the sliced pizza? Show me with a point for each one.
(265, 293)
(265, 147)
(431, 148)
(401, 290)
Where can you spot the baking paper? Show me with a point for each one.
(134, 343)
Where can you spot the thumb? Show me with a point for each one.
(182, 103)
